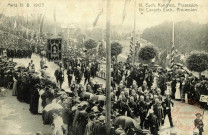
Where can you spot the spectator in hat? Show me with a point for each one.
(61, 77)
(93, 70)
(87, 75)
(56, 74)
(70, 75)
(158, 111)
(78, 75)
(167, 108)
(100, 126)
(173, 87)
(90, 127)
(42, 63)
(198, 123)
(152, 122)
(142, 109)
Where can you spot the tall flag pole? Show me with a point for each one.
(108, 69)
(41, 25)
(134, 32)
(27, 26)
(173, 46)
(54, 21)
(67, 35)
(131, 46)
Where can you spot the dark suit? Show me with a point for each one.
(70, 74)
(167, 109)
(87, 74)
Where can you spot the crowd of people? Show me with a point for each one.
(16, 53)
(140, 95)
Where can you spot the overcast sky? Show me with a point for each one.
(84, 12)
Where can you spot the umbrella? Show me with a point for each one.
(88, 95)
(52, 106)
(99, 98)
(125, 121)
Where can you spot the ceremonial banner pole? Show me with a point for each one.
(134, 32)
(67, 35)
(108, 70)
(27, 27)
(173, 46)
(55, 21)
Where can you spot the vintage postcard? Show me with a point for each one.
(98, 67)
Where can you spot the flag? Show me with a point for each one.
(97, 18)
(124, 9)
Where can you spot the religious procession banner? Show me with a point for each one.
(54, 49)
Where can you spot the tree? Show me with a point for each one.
(147, 53)
(188, 35)
(197, 62)
(116, 49)
(90, 44)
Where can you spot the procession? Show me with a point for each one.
(72, 79)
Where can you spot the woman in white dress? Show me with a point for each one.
(178, 91)
(155, 81)
(169, 89)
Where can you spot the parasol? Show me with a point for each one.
(126, 121)
(88, 95)
(99, 98)
(52, 106)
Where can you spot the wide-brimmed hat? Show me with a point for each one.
(198, 114)
(101, 118)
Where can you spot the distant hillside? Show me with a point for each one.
(188, 36)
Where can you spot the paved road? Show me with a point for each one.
(16, 119)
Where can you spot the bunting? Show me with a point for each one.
(173, 47)
(131, 46)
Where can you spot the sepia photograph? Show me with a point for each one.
(103, 67)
